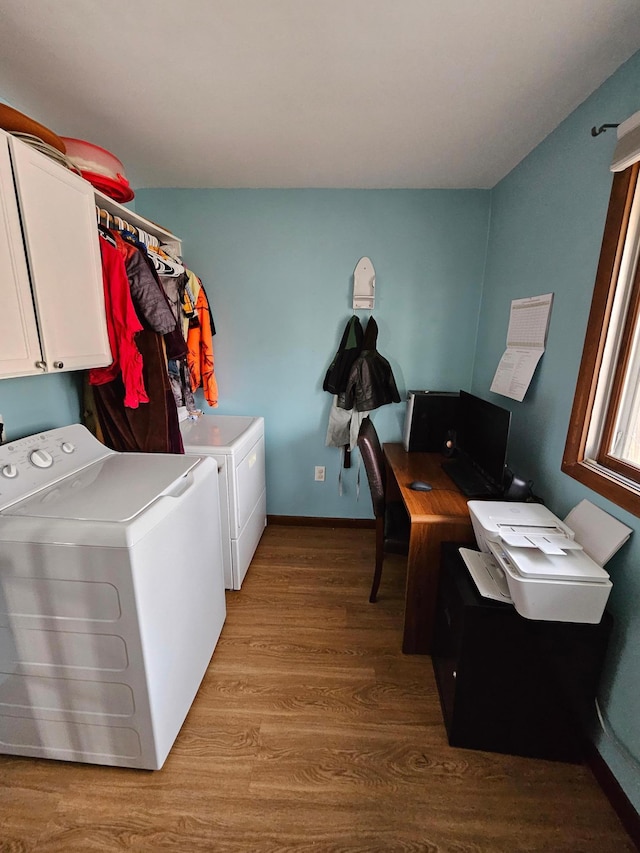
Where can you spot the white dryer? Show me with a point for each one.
(111, 597)
(236, 442)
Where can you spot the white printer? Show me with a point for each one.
(532, 558)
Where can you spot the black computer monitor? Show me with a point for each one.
(482, 436)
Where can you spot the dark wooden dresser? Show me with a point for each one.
(510, 684)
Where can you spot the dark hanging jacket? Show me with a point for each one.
(371, 383)
(335, 382)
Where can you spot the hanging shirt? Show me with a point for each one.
(122, 326)
(146, 292)
(200, 345)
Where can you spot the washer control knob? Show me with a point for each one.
(41, 458)
(67, 447)
(9, 471)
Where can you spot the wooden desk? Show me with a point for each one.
(440, 515)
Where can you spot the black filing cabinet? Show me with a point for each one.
(510, 684)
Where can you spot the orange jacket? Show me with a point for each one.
(200, 346)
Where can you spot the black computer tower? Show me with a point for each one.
(431, 419)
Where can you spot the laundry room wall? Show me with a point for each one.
(278, 268)
(547, 221)
(37, 403)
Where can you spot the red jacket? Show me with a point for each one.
(122, 326)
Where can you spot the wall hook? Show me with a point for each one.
(596, 131)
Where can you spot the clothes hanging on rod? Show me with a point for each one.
(178, 371)
(165, 265)
(116, 223)
(152, 427)
(122, 326)
(146, 290)
(169, 308)
(107, 235)
(200, 359)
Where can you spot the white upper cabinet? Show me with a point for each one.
(19, 344)
(51, 291)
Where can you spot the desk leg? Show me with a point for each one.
(423, 569)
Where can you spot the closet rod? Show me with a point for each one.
(114, 208)
(109, 220)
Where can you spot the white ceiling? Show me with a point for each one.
(311, 93)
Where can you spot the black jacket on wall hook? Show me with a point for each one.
(371, 382)
(361, 380)
(335, 381)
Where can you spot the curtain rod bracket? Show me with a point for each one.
(596, 131)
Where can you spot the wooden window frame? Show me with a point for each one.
(626, 469)
(616, 481)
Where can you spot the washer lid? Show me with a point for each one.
(215, 431)
(114, 489)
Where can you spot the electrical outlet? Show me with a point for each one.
(320, 473)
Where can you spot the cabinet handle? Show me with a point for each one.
(455, 674)
(58, 365)
(41, 365)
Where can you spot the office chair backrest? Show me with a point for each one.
(373, 458)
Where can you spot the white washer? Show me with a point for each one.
(236, 442)
(111, 597)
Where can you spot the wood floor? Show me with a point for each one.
(311, 732)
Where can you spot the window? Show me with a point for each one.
(603, 441)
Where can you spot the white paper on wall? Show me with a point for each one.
(526, 340)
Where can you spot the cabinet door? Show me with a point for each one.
(19, 344)
(60, 232)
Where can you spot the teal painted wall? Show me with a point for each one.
(277, 266)
(36, 403)
(547, 220)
